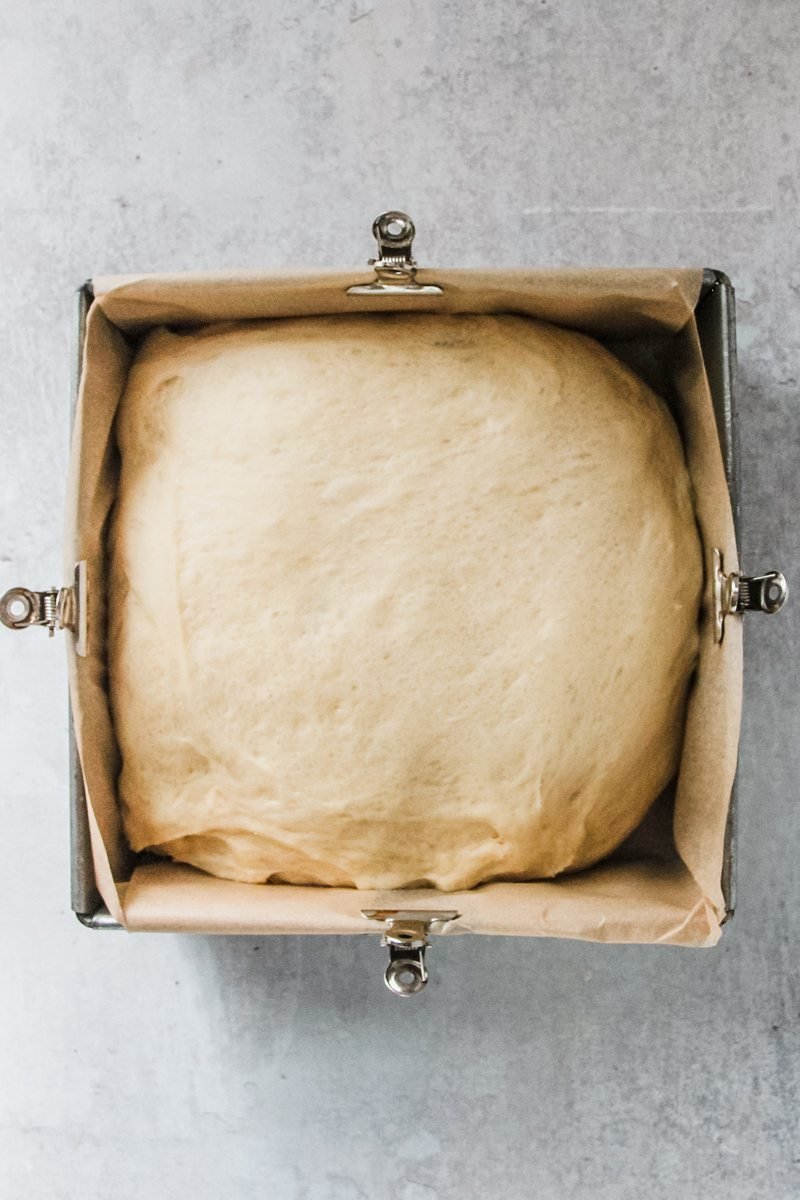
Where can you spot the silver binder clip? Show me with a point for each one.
(735, 593)
(406, 936)
(57, 608)
(395, 267)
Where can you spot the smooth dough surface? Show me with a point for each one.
(396, 599)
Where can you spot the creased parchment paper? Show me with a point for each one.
(664, 887)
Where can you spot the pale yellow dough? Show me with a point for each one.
(396, 599)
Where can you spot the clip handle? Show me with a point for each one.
(395, 267)
(58, 608)
(20, 607)
(406, 973)
(762, 593)
(394, 232)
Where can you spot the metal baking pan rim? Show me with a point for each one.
(717, 330)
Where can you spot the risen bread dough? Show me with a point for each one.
(395, 599)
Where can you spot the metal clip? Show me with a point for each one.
(735, 593)
(395, 267)
(58, 608)
(406, 935)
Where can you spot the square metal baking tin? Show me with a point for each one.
(716, 325)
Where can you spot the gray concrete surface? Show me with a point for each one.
(188, 134)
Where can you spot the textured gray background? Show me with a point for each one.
(146, 136)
